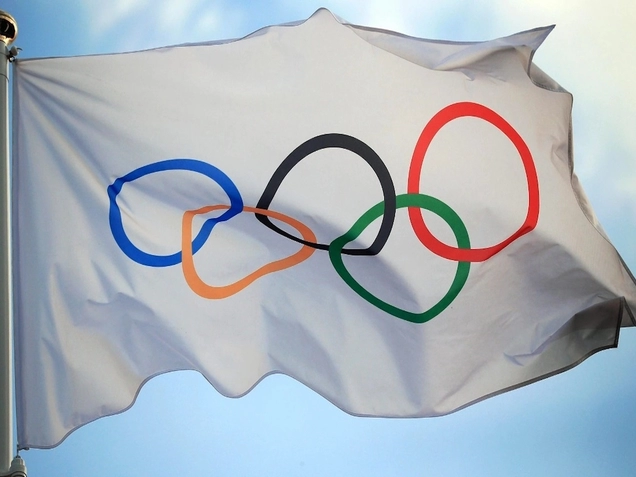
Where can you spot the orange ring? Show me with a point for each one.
(208, 291)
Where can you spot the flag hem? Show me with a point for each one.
(623, 307)
(340, 20)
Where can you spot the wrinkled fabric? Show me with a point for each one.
(195, 207)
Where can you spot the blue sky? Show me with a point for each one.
(578, 423)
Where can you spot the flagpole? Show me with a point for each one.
(8, 32)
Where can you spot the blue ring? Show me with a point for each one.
(148, 259)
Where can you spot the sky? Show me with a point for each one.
(580, 422)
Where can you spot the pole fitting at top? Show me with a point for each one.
(8, 28)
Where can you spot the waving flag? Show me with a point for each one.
(392, 221)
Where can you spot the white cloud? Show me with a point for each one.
(209, 21)
(104, 16)
(176, 15)
(125, 25)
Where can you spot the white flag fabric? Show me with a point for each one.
(392, 221)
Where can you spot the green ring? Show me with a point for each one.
(405, 200)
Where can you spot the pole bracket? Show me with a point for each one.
(12, 53)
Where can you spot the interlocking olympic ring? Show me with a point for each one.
(405, 200)
(207, 291)
(349, 143)
(150, 260)
(463, 254)
(443, 117)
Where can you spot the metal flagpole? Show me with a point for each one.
(8, 32)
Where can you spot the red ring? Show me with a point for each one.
(444, 116)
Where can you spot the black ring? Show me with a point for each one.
(356, 146)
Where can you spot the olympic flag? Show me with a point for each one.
(392, 221)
